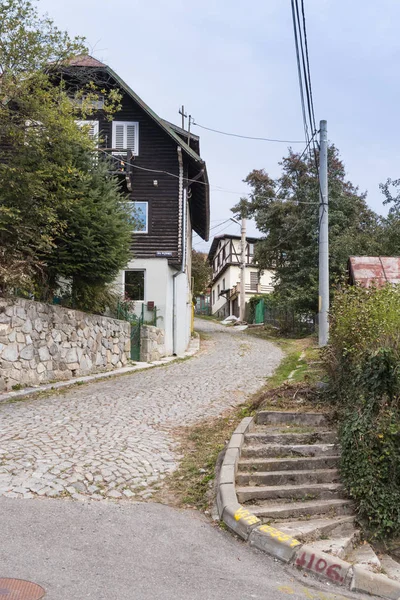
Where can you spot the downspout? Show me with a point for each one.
(181, 201)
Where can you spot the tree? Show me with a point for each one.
(61, 215)
(201, 272)
(37, 134)
(391, 224)
(286, 211)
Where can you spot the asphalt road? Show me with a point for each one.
(138, 551)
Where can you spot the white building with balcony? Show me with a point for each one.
(225, 259)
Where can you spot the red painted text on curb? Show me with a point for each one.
(320, 565)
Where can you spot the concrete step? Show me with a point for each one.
(275, 418)
(391, 567)
(323, 437)
(288, 477)
(337, 546)
(286, 450)
(315, 529)
(272, 511)
(288, 464)
(364, 556)
(290, 492)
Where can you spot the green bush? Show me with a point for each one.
(363, 363)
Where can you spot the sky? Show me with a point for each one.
(233, 65)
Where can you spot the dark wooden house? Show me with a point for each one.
(166, 179)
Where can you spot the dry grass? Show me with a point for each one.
(191, 485)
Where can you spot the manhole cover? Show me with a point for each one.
(18, 589)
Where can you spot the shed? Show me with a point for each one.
(378, 270)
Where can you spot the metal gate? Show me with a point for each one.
(135, 339)
(136, 323)
(259, 316)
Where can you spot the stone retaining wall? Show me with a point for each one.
(152, 343)
(42, 342)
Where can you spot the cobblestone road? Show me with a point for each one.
(114, 439)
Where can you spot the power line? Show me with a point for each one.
(217, 233)
(249, 137)
(308, 62)
(216, 188)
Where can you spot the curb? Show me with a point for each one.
(248, 526)
(193, 348)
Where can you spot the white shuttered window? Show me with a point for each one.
(92, 126)
(126, 136)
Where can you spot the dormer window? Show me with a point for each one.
(125, 136)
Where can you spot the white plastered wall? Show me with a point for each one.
(157, 288)
(232, 278)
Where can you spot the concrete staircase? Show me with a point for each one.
(288, 476)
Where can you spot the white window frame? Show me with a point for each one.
(133, 202)
(144, 283)
(125, 123)
(94, 124)
(254, 285)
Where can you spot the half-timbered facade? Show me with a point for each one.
(166, 179)
(225, 259)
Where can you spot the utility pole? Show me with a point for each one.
(184, 115)
(323, 309)
(189, 124)
(243, 270)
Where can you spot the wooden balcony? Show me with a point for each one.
(120, 160)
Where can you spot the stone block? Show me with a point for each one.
(41, 368)
(274, 542)
(227, 474)
(28, 352)
(26, 326)
(71, 356)
(240, 520)
(231, 457)
(20, 312)
(38, 325)
(53, 349)
(226, 496)
(20, 338)
(374, 584)
(325, 566)
(4, 329)
(44, 353)
(244, 425)
(10, 353)
(12, 336)
(236, 441)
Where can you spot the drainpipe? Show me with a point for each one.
(182, 202)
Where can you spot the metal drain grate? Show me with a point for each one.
(18, 589)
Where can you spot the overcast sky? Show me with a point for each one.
(232, 64)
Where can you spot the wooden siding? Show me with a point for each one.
(156, 151)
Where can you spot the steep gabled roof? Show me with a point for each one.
(85, 61)
(201, 212)
(226, 236)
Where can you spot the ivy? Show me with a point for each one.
(363, 361)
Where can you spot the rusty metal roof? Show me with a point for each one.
(85, 60)
(374, 269)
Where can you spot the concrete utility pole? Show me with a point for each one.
(243, 271)
(323, 324)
